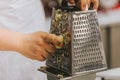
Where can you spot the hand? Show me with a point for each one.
(82, 3)
(38, 45)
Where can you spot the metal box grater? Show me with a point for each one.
(82, 50)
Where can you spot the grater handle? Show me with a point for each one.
(65, 4)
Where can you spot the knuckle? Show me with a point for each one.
(41, 59)
(51, 50)
(44, 34)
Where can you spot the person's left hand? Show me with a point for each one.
(82, 3)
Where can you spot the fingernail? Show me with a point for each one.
(83, 7)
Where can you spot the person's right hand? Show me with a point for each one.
(38, 45)
(82, 3)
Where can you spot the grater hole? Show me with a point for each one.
(75, 19)
(82, 17)
(77, 23)
(74, 27)
(84, 22)
(75, 32)
(74, 23)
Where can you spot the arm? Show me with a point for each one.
(9, 40)
(38, 45)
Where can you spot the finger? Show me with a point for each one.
(43, 53)
(71, 1)
(30, 55)
(49, 48)
(88, 3)
(38, 51)
(52, 38)
(47, 45)
(36, 57)
(83, 4)
(96, 4)
(41, 58)
(44, 35)
(40, 54)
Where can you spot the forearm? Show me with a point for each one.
(9, 40)
(37, 45)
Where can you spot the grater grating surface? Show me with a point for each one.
(82, 49)
(86, 42)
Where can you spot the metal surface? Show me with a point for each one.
(53, 74)
(82, 50)
(87, 46)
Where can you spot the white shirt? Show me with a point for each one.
(23, 16)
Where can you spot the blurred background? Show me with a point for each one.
(109, 21)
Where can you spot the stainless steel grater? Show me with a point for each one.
(82, 50)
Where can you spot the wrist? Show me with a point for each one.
(18, 42)
(11, 40)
